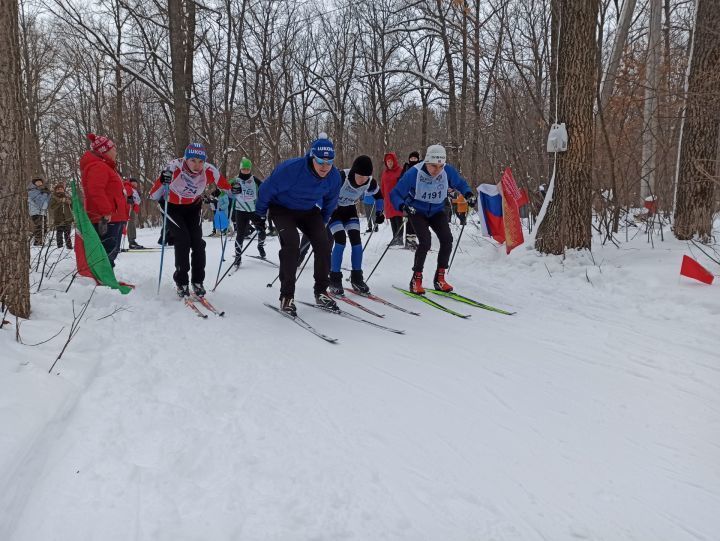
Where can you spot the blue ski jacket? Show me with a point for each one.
(404, 191)
(293, 184)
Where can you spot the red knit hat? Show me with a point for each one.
(100, 143)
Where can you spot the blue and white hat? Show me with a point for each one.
(195, 150)
(322, 148)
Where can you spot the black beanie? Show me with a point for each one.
(362, 166)
(414, 154)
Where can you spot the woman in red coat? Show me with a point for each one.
(105, 198)
(390, 176)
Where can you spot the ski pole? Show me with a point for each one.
(231, 266)
(305, 245)
(164, 232)
(310, 253)
(371, 231)
(223, 242)
(456, 247)
(400, 230)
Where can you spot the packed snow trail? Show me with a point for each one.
(593, 413)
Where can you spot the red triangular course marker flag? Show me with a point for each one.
(693, 269)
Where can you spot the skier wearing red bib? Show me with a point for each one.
(184, 180)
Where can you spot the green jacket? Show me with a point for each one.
(61, 210)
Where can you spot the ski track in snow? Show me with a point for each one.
(592, 414)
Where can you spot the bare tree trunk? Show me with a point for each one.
(119, 131)
(181, 15)
(568, 220)
(30, 77)
(621, 36)
(650, 112)
(14, 246)
(698, 166)
(452, 112)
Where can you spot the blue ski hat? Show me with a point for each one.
(195, 150)
(322, 148)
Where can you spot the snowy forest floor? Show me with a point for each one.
(591, 414)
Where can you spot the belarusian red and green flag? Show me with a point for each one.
(90, 254)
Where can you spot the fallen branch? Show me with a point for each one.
(74, 327)
(111, 314)
(44, 341)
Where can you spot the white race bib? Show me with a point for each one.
(431, 189)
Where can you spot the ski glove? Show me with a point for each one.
(166, 177)
(236, 188)
(471, 199)
(379, 217)
(102, 226)
(409, 210)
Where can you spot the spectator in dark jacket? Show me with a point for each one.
(61, 215)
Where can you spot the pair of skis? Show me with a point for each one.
(310, 328)
(454, 296)
(192, 302)
(235, 268)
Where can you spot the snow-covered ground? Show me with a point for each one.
(594, 413)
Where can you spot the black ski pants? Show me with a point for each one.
(422, 224)
(187, 233)
(310, 223)
(242, 220)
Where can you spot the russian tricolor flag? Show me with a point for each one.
(491, 212)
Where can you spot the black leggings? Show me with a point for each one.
(310, 222)
(187, 233)
(242, 219)
(422, 224)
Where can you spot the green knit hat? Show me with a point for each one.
(245, 163)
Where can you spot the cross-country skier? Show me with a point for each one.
(344, 222)
(301, 193)
(186, 179)
(421, 193)
(245, 191)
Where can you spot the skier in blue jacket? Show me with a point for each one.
(420, 194)
(301, 193)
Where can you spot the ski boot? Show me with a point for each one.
(198, 290)
(336, 287)
(261, 251)
(357, 282)
(237, 261)
(136, 246)
(439, 281)
(416, 283)
(182, 291)
(287, 306)
(326, 303)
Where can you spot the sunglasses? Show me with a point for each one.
(323, 161)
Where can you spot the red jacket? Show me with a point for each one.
(103, 187)
(187, 187)
(389, 179)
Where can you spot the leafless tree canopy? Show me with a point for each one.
(261, 78)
